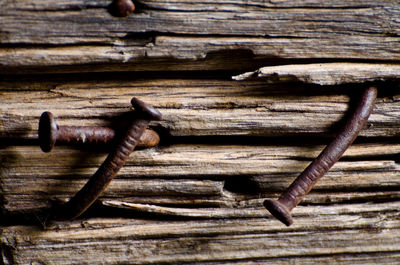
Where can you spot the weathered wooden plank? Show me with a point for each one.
(230, 18)
(219, 175)
(326, 73)
(332, 233)
(194, 107)
(91, 58)
(83, 33)
(199, 199)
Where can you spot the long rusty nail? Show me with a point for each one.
(84, 198)
(282, 207)
(121, 8)
(50, 133)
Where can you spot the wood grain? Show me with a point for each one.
(213, 175)
(172, 34)
(357, 233)
(195, 107)
(225, 145)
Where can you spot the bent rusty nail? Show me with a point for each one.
(84, 198)
(282, 207)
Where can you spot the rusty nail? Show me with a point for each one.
(50, 133)
(122, 8)
(282, 207)
(85, 197)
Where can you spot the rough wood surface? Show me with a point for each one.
(226, 145)
(356, 234)
(202, 175)
(199, 199)
(59, 34)
(194, 107)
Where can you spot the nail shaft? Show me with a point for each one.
(84, 198)
(50, 134)
(328, 157)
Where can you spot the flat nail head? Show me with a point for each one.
(122, 8)
(279, 211)
(149, 111)
(47, 131)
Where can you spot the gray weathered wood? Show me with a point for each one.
(226, 145)
(84, 33)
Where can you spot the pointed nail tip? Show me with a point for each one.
(372, 90)
(149, 138)
(279, 211)
(141, 106)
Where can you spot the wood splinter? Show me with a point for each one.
(282, 207)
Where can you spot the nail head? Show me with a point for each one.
(47, 131)
(279, 210)
(122, 8)
(146, 109)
